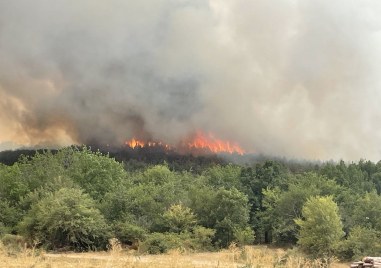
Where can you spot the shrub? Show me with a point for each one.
(157, 243)
(199, 239)
(3, 230)
(362, 241)
(179, 218)
(66, 219)
(13, 243)
(202, 238)
(128, 233)
(9, 215)
(244, 236)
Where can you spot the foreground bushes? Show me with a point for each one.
(68, 219)
(77, 199)
(199, 239)
(361, 242)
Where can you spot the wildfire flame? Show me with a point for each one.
(133, 143)
(211, 143)
(198, 142)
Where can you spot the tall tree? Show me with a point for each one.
(320, 228)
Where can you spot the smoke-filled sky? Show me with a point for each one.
(294, 78)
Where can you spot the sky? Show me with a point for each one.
(292, 78)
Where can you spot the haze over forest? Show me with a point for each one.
(290, 78)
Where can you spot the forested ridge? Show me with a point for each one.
(78, 199)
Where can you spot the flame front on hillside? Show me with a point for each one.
(213, 144)
(137, 143)
(199, 142)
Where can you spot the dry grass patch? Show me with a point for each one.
(116, 257)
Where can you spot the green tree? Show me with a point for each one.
(128, 233)
(362, 241)
(224, 176)
(13, 184)
(179, 218)
(226, 211)
(254, 181)
(68, 219)
(282, 207)
(40, 169)
(376, 178)
(143, 197)
(320, 227)
(367, 211)
(350, 176)
(94, 172)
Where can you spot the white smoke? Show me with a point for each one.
(296, 78)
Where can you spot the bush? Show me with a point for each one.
(179, 218)
(157, 243)
(244, 236)
(9, 215)
(128, 233)
(4, 230)
(222, 210)
(362, 241)
(202, 238)
(199, 239)
(66, 219)
(13, 243)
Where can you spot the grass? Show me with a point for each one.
(116, 257)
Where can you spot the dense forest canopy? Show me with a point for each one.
(78, 199)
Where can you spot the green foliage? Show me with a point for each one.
(244, 236)
(13, 185)
(9, 215)
(13, 243)
(116, 203)
(367, 211)
(362, 241)
(203, 238)
(69, 197)
(320, 228)
(157, 175)
(4, 230)
(199, 239)
(49, 187)
(223, 210)
(348, 201)
(66, 219)
(350, 176)
(224, 176)
(179, 218)
(92, 171)
(40, 169)
(157, 243)
(128, 233)
(254, 180)
(143, 198)
(282, 207)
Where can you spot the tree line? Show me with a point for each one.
(78, 199)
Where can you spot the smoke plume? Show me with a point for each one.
(295, 78)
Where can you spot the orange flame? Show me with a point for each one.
(209, 142)
(133, 143)
(199, 142)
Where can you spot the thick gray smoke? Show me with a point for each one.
(296, 78)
